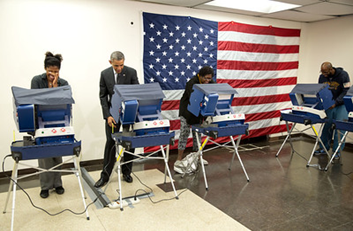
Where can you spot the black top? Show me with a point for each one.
(106, 85)
(339, 84)
(40, 81)
(185, 101)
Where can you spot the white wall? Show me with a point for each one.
(85, 32)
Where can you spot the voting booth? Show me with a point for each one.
(45, 116)
(213, 102)
(138, 108)
(309, 102)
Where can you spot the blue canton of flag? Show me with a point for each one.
(176, 48)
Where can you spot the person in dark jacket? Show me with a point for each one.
(187, 119)
(49, 79)
(339, 84)
(118, 73)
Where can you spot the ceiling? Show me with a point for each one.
(310, 10)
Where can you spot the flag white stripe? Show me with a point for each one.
(256, 57)
(263, 91)
(257, 39)
(255, 75)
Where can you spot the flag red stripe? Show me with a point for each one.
(253, 29)
(245, 83)
(256, 66)
(170, 105)
(241, 101)
(262, 115)
(257, 48)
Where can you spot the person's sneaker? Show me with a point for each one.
(179, 167)
(320, 151)
(205, 162)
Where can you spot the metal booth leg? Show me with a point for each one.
(79, 178)
(118, 160)
(200, 155)
(237, 153)
(318, 139)
(13, 184)
(288, 136)
(337, 149)
(167, 169)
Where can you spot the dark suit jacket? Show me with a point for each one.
(106, 85)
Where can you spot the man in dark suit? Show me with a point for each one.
(116, 74)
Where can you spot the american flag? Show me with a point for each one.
(260, 62)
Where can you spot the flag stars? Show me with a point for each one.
(176, 53)
(177, 80)
(165, 27)
(205, 49)
(158, 60)
(151, 53)
(194, 48)
(176, 66)
(211, 31)
(189, 27)
(177, 40)
(151, 25)
(171, 47)
(211, 43)
(206, 36)
(159, 33)
(165, 40)
(158, 73)
(182, 47)
(183, 34)
(200, 54)
(189, 41)
(151, 39)
(187, 79)
(158, 47)
(188, 67)
(170, 73)
(164, 53)
(182, 60)
(171, 34)
(201, 29)
(151, 66)
(195, 35)
(200, 42)
(205, 61)
(164, 66)
(182, 73)
(170, 60)
(194, 72)
(177, 28)
(194, 61)
(164, 80)
(151, 80)
(188, 54)
(211, 55)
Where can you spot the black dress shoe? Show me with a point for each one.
(44, 193)
(127, 178)
(59, 190)
(100, 183)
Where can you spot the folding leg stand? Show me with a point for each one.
(235, 148)
(165, 157)
(15, 178)
(318, 139)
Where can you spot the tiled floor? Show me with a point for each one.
(283, 194)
